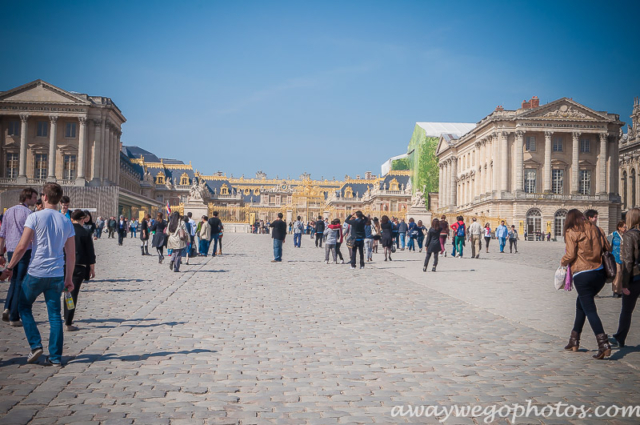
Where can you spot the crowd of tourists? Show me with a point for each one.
(50, 251)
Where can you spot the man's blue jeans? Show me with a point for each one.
(503, 242)
(13, 295)
(204, 247)
(402, 239)
(214, 239)
(277, 249)
(297, 239)
(52, 288)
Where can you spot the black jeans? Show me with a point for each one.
(319, 237)
(121, 237)
(588, 285)
(79, 274)
(358, 245)
(628, 304)
(486, 241)
(338, 244)
(428, 257)
(513, 244)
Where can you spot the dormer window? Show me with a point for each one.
(224, 190)
(348, 192)
(184, 179)
(160, 178)
(393, 185)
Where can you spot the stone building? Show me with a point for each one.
(531, 165)
(630, 161)
(48, 134)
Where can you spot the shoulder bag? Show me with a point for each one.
(608, 260)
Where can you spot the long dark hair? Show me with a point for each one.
(384, 219)
(575, 220)
(88, 213)
(174, 221)
(435, 224)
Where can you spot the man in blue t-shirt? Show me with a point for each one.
(52, 235)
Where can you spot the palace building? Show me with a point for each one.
(630, 161)
(529, 166)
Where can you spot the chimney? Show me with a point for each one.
(499, 108)
(526, 105)
(535, 102)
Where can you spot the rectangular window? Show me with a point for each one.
(557, 144)
(585, 182)
(41, 166)
(14, 128)
(69, 167)
(585, 146)
(557, 180)
(43, 129)
(12, 165)
(530, 180)
(531, 144)
(70, 130)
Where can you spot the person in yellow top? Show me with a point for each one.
(205, 236)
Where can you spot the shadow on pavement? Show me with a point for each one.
(618, 355)
(89, 358)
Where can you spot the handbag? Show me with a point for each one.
(559, 278)
(351, 241)
(568, 281)
(608, 261)
(393, 248)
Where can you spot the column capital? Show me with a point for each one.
(97, 122)
(505, 133)
(24, 117)
(576, 135)
(83, 120)
(548, 133)
(53, 118)
(519, 134)
(603, 136)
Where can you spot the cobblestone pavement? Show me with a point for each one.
(239, 340)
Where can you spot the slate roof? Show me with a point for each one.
(136, 152)
(403, 180)
(435, 129)
(358, 188)
(135, 168)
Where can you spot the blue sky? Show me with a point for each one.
(330, 88)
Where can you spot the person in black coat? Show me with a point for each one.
(432, 244)
(357, 232)
(159, 238)
(122, 227)
(85, 263)
(319, 231)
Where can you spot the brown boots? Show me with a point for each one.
(604, 348)
(574, 342)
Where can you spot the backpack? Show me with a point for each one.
(460, 231)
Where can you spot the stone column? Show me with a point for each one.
(96, 153)
(447, 182)
(478, 167)
(116, 167)
(454, 187)
(601, 186)
(51, 175)
(519, 183)
(547, 162)
(614, 171)
(22, 166)
(575, 164)
(440, 194)
(107, 150)
(494, 160)
(81, 150)
(504, 166)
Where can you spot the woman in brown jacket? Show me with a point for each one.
(584, 243)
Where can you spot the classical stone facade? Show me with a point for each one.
(530, 165)
(630, 161)
(48, 134)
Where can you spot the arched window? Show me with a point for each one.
(160, 178)
(184, 179)
(224, 190)
(393, 185)
(256, 191)
(534, 223)
(558, 223)
(247, 191)
(348, 192)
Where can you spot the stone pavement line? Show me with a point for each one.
(43, 394)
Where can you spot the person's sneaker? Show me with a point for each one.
(353, 268)
(5, 315)
(361, 267)
(48, 362)
(17, 323)
(34, 355)
(171, 265)
(70, 328)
